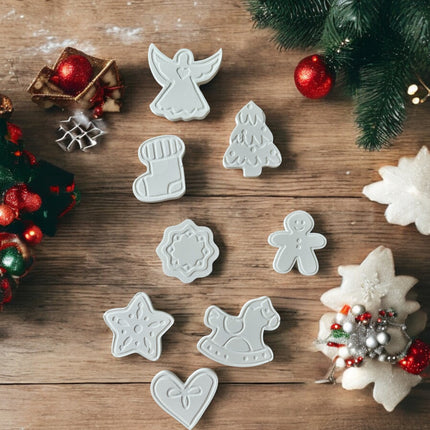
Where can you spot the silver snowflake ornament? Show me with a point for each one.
(138, 328)
(187, 251)
(79, 131)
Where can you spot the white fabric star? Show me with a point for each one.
(406, 190)
(138, 328)
(374, 284)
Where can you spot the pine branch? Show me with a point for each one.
(380, 101)
(297, 24)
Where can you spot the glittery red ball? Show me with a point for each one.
(312, 77)
(417, 358)
(20, 198)
(7, 215)
(32, 234)
(73, 74)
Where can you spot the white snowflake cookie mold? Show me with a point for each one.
(187, 251)
(239, 340)
(165, 177)
(405, 189)
(367, 338)
(138, 328)
(297, 244)
(251, 143)
(180, 77)
(185, 402)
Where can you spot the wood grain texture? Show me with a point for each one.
(58, 372)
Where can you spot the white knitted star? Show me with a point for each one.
(374, 284)
(406, 190)
(138, 328)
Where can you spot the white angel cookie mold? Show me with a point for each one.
(138, 328)
(180, 77)
(187, 251)
(239, 340)
(165, 177)
(251, 143)
(297, 244)
(367, 338)
(185, 402)
(405, 189)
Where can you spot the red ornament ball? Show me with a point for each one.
(417, 358)
(73, 74)
(313, 78)
(7, 215)
(32, 234)
(20, 198)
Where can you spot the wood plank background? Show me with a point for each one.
(57, 371)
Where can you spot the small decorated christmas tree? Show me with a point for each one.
(251, 143)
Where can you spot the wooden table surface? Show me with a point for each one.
(57, 370)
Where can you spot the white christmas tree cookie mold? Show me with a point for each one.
(187, 251)
(180, 77)
(239, 340)
(368, 338)
(165, 177)
(138, 328)
(405, 188)
(185, 402)
(297, 244)
(251, 143)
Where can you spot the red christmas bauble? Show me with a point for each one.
(20, 198)
(32, 234)
(7, 215)
(73, 74)
(312, 77)
(417, 358)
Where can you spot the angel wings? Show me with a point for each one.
(180, 77)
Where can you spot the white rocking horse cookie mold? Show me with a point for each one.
(180, 77)
(165, 176)
(238, 341)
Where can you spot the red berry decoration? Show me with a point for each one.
(15, 133)
(7, 215)
(32, 234)
(73, 74)
(20, 198)
(6, 285)
(313, 78)
(417, 358)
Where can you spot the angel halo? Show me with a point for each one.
(180, 77)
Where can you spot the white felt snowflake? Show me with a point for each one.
(374, 285)
(406, 190)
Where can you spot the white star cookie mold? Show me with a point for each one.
(405, 189)
(138, 328)
(180, 77)
(297, 244)
(165, 176)
(239, 340)
(185, 402)
(187, 251)
(251, 143)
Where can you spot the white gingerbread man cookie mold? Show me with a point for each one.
(180, 77)
(165, 177)
(297, 244)
(187, 251)
(137, 328)
(185, 402)
(239, 340)
(251, 143)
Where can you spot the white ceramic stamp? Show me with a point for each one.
(138, 328)
(239, 341)
(187, 251)
(180, 77)
(185, 402)
(251, 143)
(405, 189)
(165, 177)
(297, 244)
